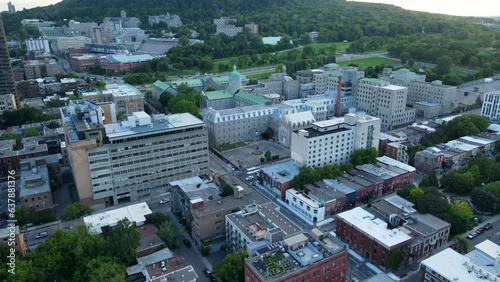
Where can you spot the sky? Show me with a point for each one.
(449, 7)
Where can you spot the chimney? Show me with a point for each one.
(337, 105)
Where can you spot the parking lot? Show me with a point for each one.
(242, 157)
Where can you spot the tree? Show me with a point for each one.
(169, 235)
(105, 269)
(226, 189)
(405, 191)
(184, 106)
(484, 200)
(364, 156)
(12, 136)
(55, 103)
(205, 251)
(394, 258)
(165, 98)
(206, 64)
(76, 210)
(434, 204)
(232, 267)
(123, 240)
(459, 216)
(268, 155)
(404, 57)
(415, 193)
(53, 125)
(184, 41)
(443, 64)
(305, 39)
(463, 244)
(430, 180)
(156, 218)
(460, 183)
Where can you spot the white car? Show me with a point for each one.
(42, 235)
(164, 201)
(248, 178)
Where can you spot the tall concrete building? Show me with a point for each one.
(135, 159)
(7, 81)
(388, 102)
(490, 108)
(333, 141)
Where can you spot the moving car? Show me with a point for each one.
(488, 226)
(42, 235)
(186, 243)
(164, 201)
(249, 178)
(207, 272)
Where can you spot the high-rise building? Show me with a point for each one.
(7, 82)
(12, 8)
(134, 159)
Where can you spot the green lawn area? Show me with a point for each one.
(339, 46)
(260, 75)
(226, 147)
(369, 62)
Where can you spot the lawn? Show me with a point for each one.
(369, 62)
(260, 75)
(339, 46)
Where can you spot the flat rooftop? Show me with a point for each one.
(142, 262)
(34, 181)
(117, 90)
(457, 267)
(392, 162)
(276, 264)
(196, 188)
(374, 227)
(116, 131)
(338, 185)
(186, 274)
(477, 140)
(313, 133)
(282, 172)
(256, 221)
(455, 144)
(134, 213)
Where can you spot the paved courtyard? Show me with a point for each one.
(244, 156)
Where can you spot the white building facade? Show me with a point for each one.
(491, 106)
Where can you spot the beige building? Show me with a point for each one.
(7, 103)
(62, 44)
(127, 98)
(388, 102)
(132, 160)
(39, 69)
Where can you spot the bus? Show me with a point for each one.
(253, 171)
(252, 168)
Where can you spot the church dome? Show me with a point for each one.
(234, 75)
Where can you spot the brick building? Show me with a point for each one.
(370, 237)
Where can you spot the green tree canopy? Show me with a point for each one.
(443, 64)
(169, 235)
(415, 193)
(76, 210)
(364, 156)
(156, 218)
(459, 216)
(232, 267)
(484, 200)
(123, 240)
(12, 136)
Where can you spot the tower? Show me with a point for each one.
(12, 8)
(7, 82)
(234, 80)
(123, 14)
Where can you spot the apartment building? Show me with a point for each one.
(224, 25)
(490, 108)
(209, 225)
(388, 102)
(10, 158)
(170, 20)
(434, 93)
(258, 228)
(302, 258)
(333, 199)
(126, 98)
(370, 237)
(312, 208)
(137, 158)
(428, 160)
(335, 76)
(102, 223)
(62, 44)
(38, 45)
(7, 81)
(39, 69)
(7, 103)
(479, 265)
(292, 122)
(82, 28)
(333, 141)
(277, 178)
(34, 190)
(428, 232)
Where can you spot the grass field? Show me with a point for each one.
(369, 62)
(339, 46)
(260, 75)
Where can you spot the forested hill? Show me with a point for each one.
(334, 19)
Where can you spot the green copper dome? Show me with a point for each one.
(234, 75)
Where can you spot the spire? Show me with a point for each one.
(234, 67)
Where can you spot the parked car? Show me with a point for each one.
(164, 201)
(186, 243)
(248, 178)
(471, 236)
(488, 226)
(207, 272)
(42, 235)
(480, 230)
